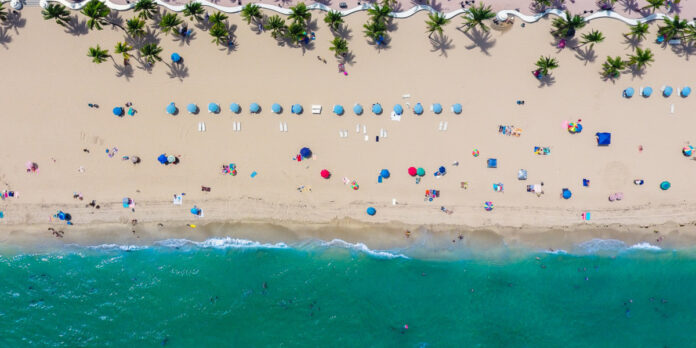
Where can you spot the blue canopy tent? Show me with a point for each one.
(338, 110)
(254, 108)
(214, 108)
(647, 91)
(566, 193)
(418, 109)
(457, 108)
(305, 152)
(437, 108)
(234, 107)
(296, 109)
(667, 91)
(628, 92)
(162, 159)
(192, 108)
(492, 163)
(171, 109)
(358, 109)
(685, 91)
(398, 109)
(603, 139)
(276, 108)
(118, 111)
(384, 173)
(376, 108)
(176, 57)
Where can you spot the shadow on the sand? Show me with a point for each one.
(125, 71)
(685, 50)
(344, 32)
(177, 71)
(586, 54)
(5, 38)
(481, 39)
(631, 42)
(546, 81)
(115, 20)
(441, 43)
(14, 21)
(348, 58)
(635, 72)
(76, 27)
(184, 40)
(630, 6)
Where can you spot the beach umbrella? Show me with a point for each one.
(192, 108)
(566, 193)
(488, 206)
(688, 150)
(176, 57)
(376, 108)
(398, 109)
(254, 108)
(420, 171)
(578, 128)
(171, 109)
(371, 211)
(171, 159)
(338, 110)
(442, 170)
(665, 185)
(628, 92)
(214, 108)
(305, 152)
(412, 171)
(647, 91)
(195, 210)
(384, 173)
(296, 109)
(685, 91)
(437, 108)
(162, 159)
(135, 159)
(234, 107)
(61, 215)
(418, 109)
(118, 111)
(457, 108)
(325, 174)
(275, 108)
(358, 109)
(667, 91)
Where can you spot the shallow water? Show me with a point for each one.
(227, 292)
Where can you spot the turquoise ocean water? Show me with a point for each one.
(235, 293)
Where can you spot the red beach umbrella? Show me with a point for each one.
(412, 171)
(325, 174)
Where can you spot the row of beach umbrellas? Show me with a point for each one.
(666, 91)
(297, 108)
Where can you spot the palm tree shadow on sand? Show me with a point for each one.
(76, 27)
(125, 71)
(546, 81)
(344, 32)
(184, 40)
(685, 50)
(177, 71)
(481, 39)
(631, 42)
(441, 43)
(14, 21)
(630, 6)
(636, 72)
(115, 20)
(348, 58)
(5, 38)
(586, 54)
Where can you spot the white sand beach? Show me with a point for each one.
(48, 82)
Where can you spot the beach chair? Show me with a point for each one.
(316, 109)
(674, 42)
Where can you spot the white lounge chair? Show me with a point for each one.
(316, 109)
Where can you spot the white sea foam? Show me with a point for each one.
(117, 247)
(220, 243)
(645, 246)
(612, 245)
(363, 248)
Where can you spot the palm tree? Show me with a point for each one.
(566, 27)
(333, 19)
(339, 46)
(123, 48)
(541, 4)
(638, 31)
(134, 27)
(151, 53)
(295, 32)
(654, 5)
(300, 13)
(642, 58)
(97, 12)
(545, 64)
(251, 12)
(146, 9)
(375, 29)
(593, 37)
(612, 67)
(476, 15)
(58, 12)
(169, 21)
(194, 10)
(97, 54)
(219, 33)
(435, 23)
(3, 12)
(217, 17)
(673, 28)
(276, 25)
(379, 13)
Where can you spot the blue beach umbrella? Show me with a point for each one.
(665, 185)
(305, 152)
(254, 108)
(628, 92)
(276, 108)
(371, 211)
(234, 107)
(192, 108)
(118, 111)
(647, 91)
(685, 91)
(667, 91)
(296, 109)
(171, 109)
(418, 109)
(176, 57)
(384, 173)
(442, 170)
(338, 110)
(214, 108)
(567, 194)
(398, 109)
(162, 159)
(376, 108)
(358, 109)
(437, 108)
(457, 108)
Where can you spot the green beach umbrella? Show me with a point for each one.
(420, 171)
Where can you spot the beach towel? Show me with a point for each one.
(395, 117)
(178, 200)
